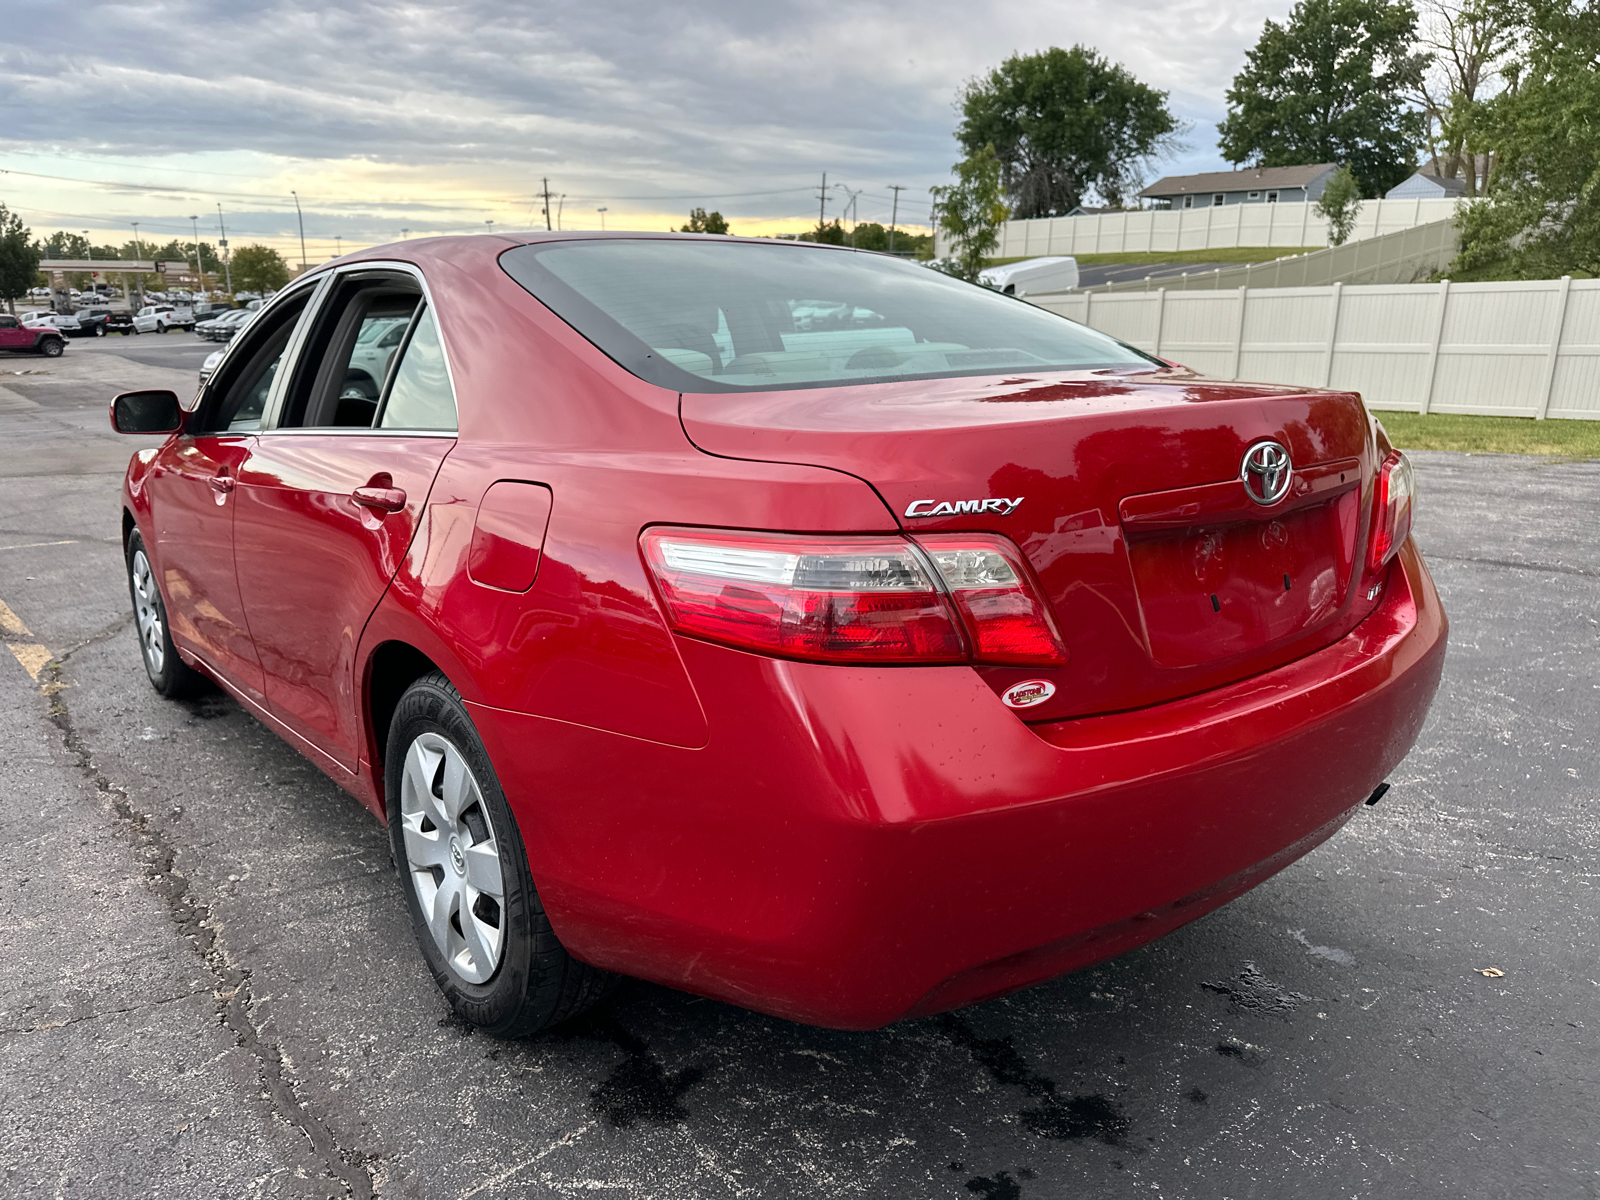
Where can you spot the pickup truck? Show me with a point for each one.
(98, 322)
(158, 318)
(35, 339)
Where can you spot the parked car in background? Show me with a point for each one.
(850, 674)
(68, 324)
(223, 327)
(94, 321)
(205, 309)
(36, 339)
(209, 367)
(158, 318)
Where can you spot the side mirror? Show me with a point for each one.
(146, 412)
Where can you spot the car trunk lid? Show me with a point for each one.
(1123, 490)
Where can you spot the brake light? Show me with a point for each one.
(873, 599)
(1391, 509)
(1004, 617)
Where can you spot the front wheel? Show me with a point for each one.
(52, 347)
(464, 871)
(168, 673)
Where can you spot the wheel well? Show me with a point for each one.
(127, 529)
(395, 667)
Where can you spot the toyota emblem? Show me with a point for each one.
(1266, 472)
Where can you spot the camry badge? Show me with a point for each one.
(1266, 472)
(953, 508)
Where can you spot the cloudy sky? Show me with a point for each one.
(433, 118)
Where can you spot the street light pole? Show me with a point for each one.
(894, 216)
(227, 259)
(299, 216)
(138, 255)
(560, 204)
(602, 211)
(199, 264)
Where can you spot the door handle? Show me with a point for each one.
(380, 499)
(221, 483)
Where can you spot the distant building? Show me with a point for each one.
(1252, 185)
(1424, 186)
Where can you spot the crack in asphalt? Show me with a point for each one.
(1516, 565)
(201, 928)
(47, 1026)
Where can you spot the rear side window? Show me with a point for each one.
(420, 396)
(715, 316)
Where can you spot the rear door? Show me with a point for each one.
(331, 496)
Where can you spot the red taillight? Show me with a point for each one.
(1391, 509)
(869, 599)
(1004, 616)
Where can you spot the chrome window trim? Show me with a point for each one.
(269, 423)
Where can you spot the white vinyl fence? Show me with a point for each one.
(1405, 256)
(1209, 228)
(1522, 349)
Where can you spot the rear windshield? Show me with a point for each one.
(712, 316)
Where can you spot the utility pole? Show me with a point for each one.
(894, 217)
(227, 258)
(199, 272)
(822, 202)
(138, 254)
(299, 216)
(546, 194)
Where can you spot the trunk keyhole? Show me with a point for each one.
(1286, 583)
(1216, 605)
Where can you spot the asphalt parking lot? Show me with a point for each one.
(212, 987)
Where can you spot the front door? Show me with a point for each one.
(193, 501)
(12, 334)
(330, 498)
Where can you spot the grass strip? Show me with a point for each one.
(1491, 435)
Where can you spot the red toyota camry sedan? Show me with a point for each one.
(794, 626)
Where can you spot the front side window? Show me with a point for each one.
(236, 398)
(700, 316)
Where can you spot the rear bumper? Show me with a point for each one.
(854, 846)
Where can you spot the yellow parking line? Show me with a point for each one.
(31, 655)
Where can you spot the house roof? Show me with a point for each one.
(1250, 179)
(1450, 187)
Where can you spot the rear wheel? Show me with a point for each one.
(474, 907)
(168, 673)
(99, 331)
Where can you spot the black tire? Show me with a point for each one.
(168, 673)
(99, 331)
(535, 983)
(52, 347)
(160, 328)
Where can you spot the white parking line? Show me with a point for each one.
(36, 545)
(30, 654)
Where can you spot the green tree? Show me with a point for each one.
(701, 221)
(971, 211)
(869, 235)
(1468, 41)
(1542, 215)
(831, 234)
(259, 269)
(19, 258)
(1330, 85)
(1063, 124)
(1339, 204)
